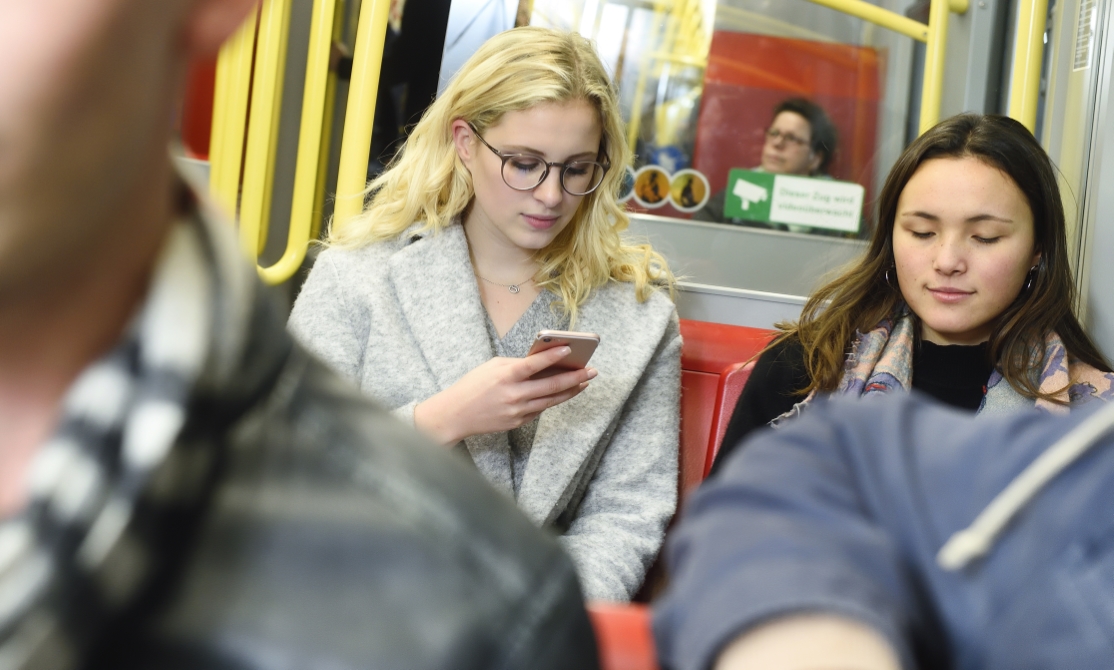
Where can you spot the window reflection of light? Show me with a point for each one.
(709, 10)
(609, 39)
(588, 19)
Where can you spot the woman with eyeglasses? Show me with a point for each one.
(801, 140)
(499, 219)
(964, 293)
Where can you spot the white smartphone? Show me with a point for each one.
(583, 345)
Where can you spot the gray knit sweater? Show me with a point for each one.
(516, 343)
(404, 320)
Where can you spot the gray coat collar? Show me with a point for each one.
(432, 275)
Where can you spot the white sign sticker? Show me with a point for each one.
(820, 203)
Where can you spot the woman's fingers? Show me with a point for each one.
(540, 404)
(499, 395)
(553, 384)
(531, 365)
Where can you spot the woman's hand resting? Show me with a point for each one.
(498, 396)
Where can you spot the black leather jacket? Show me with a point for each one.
(334, 537)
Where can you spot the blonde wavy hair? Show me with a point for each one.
(428, 183)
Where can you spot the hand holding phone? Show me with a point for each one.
(504, 393)
(583, 345)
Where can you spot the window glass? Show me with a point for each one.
(701, 84)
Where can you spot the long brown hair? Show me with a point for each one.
(861, 296)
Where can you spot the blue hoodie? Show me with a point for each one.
(846, 510)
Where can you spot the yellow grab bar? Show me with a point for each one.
(1028, 51)
(932, 89)
(266, 109)
(311, 144)
(887, 19)
(230, 113)
(360, 113)
(327, 129)
(877, 15)
(935, 34)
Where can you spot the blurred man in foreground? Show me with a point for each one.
(899, 533)
(180, 485)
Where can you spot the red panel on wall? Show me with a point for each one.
(197, 109)
(749, 74)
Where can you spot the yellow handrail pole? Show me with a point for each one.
(360, 113)
(932, 89)
(310, 147)
(327, 130)
(266, 108)
(1028, 52)
(323, 165)
(240, 90)
(883, 17)
(220, 122)
(935, 35)
(230, 113)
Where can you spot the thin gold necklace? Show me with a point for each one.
(513, 288)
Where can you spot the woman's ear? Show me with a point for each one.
(209, 23)
(463, 141)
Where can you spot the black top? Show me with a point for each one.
(955, 375)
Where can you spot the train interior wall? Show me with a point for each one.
(869, 78)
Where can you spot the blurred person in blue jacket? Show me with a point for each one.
(182, 486)
(897, 532)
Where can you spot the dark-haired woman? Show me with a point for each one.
(964, 293)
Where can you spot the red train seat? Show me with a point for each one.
(713, 371)
(623, 636)
(731, 383)
(715, 364)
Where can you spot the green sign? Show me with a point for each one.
(789, 199)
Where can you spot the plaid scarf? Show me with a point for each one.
(102, 488)
(881, 361)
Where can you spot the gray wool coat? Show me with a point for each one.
(404, 320)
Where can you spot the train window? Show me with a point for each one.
(762, 130)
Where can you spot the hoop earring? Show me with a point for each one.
(886, 277)
(1032, 275)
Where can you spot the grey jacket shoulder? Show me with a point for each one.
(336, 537)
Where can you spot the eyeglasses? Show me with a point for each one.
(773, 135)
(525, 172)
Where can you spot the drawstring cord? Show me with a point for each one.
(976, 540)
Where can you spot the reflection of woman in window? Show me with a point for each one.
(801, 140)
(499, 219)
(964, 293)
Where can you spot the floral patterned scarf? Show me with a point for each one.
(881, 361)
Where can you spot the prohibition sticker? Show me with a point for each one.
(651, 186)
(689, 190)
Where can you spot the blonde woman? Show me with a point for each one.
(497, 220)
